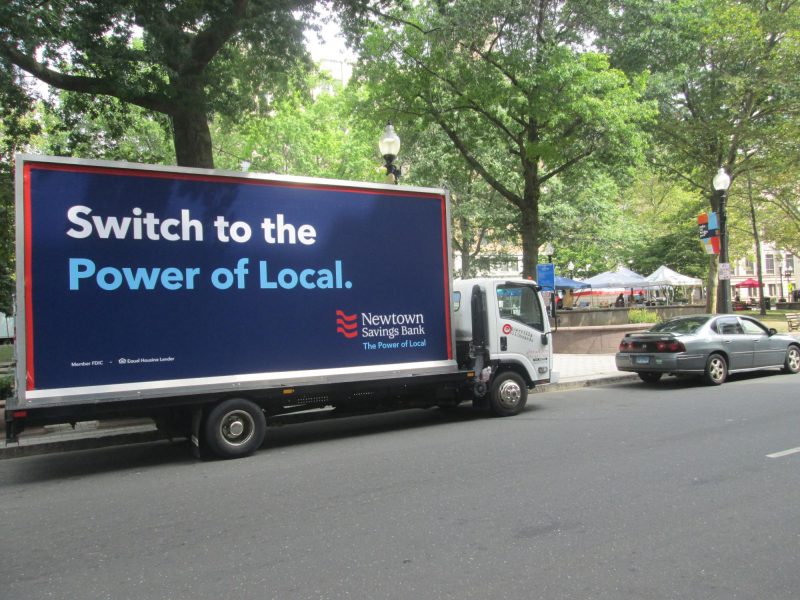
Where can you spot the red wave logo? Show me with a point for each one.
(347, 325)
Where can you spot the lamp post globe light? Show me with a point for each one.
(548, 250)
(721, 183)
(389, 146)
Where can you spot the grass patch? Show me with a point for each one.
(6, 352)
(642, 315)
(773, 318)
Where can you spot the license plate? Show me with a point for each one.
(641, 360)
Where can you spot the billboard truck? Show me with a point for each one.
(218, 303)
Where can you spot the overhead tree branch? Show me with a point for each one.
(210, 41)
(80, 83)
(515, 199)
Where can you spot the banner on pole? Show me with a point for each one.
(709, 232)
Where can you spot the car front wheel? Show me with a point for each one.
(716, 370)
(792, 362)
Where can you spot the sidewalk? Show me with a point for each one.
(575, 371)
(585, 369)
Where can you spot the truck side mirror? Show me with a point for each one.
(545, 341)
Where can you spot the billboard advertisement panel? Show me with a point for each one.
(144, 274)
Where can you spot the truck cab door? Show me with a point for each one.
(522, 329)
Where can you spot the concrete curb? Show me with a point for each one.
(105, 437)
(576, 384)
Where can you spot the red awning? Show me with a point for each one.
(747, 283)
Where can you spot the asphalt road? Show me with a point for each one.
(619, 492)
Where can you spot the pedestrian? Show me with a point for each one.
(620, 302)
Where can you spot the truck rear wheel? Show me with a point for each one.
(508, 395)
(235, 428)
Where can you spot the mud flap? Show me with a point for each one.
(196, 437)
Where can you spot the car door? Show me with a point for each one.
(737, 345)
(767, 351)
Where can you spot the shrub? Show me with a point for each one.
(6, 386)
(642, 315)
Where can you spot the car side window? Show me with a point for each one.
(729, 326)
(751, 328)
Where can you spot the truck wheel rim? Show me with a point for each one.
(237, 427)
(510, 394)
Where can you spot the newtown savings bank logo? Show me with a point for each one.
(347, 325)
(374, 325)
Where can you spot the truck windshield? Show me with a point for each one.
(520, 303)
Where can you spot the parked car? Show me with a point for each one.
(711, 346)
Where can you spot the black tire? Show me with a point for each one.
(508, 395)
(234, 428)
(649, 377)
(792, 362)
(716, 370)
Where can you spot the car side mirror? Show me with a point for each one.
(772, 331)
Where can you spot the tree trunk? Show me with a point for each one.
(464, 247)
(530, 246)
(529, 218)
(760, 274)
(192, 139)
(466, 265)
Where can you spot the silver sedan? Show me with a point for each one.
(711, 346)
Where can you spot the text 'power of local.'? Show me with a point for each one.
(146, 226)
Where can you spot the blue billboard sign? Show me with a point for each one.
(146, 275)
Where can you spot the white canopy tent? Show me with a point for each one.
(667, 279)
(619, 282)
(629, 283)
(664, 276)
(618, 278)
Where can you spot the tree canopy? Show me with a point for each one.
(725, 75)
(185, 60)
(507, 84)
(532, 113)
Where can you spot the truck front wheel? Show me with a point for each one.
(235, 428)
(509, 394)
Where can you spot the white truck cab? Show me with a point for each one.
(502, 332)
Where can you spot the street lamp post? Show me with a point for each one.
(389, 146)
(722, 182)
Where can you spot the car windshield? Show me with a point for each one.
(685, 325)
